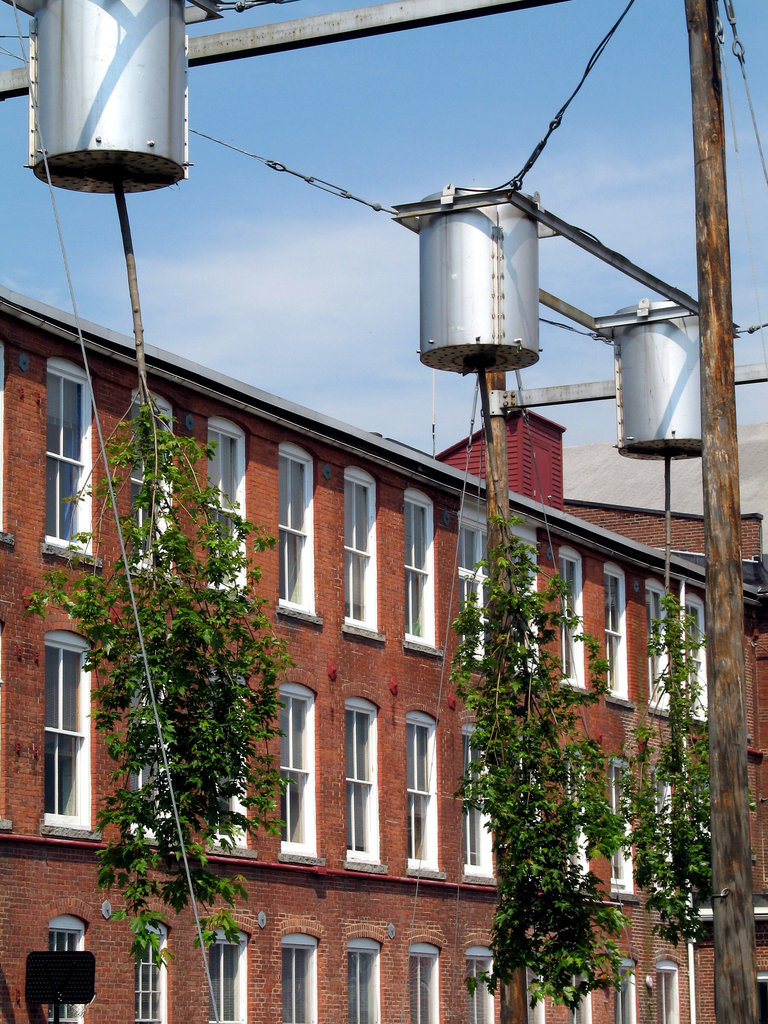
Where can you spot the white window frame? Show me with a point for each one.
(622, 872)
(658, 697)
(58, 642)
(137, 469)
(762, 982)
(616, 632)
(290, 693)
(625, 999)
(62, 369)
(578, 858)
(308, 945)
(226, 430)
(694, 606)
(240, 984)
(479, 960)
(240, 839)
(363, 711)
(360, 551)
(419, 573)
(305, 585)
(572, 649)
(421, 955)
(667, 992)
(71, 936)
(355, 949)
(535, 1014)
(478, 854)
(473, 578)
(582, 1012)
(418, 796)
(150, 978)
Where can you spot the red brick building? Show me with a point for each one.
(376, 901)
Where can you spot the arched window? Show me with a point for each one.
(361, 777)
(571, 648)
(421, 772)
(363, 981)
(297, 767)
(419, 568)
(68, 453)
(67, 743)
(150, 986)
(360, 548)
(667, 997)
(423, 983)
(66, 934)
(299, 975)
(480, 1001)
(295, 487)
(478, 852)
(615, 629)
(227, 962)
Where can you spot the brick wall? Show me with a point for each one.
(648, 527)
(44, 874)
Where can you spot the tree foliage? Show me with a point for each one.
(668, 780)
(540, 780)
(214, 666)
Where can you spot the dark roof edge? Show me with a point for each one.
(296, 417)
(611, 506)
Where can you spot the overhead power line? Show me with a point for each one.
(310, 179)
(516, 183)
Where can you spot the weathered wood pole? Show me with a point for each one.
(513, 995)
(734, 928)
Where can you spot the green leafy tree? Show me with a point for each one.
(668, 782)
(202, 673)
(540, 780)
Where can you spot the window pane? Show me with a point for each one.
(72, 426)
(70, 672)
(296, 506)
(52, 687)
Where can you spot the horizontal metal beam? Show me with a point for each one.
(322, 28)
(351, 24)
(598, 391)
(592, 245)
(559, 394)
(13, 82)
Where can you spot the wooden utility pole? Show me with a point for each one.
(513, 995)
(734, 927)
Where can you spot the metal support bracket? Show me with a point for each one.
(498, 402)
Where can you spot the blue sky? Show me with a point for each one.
(315, 298)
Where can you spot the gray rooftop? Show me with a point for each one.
(596, 472)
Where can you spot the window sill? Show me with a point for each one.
(659, 712)
(69, 554)
(625, 897)
(620, 702)
(6, 825)
(350, 629)
(71, 832)
(300, 616)
(217, 850)
(429, 873)
(301, 858)
(7, 539)
(420, 647)
(370, 867)
(470, 878)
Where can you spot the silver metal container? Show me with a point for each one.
(109, 93)
(657, 387)
(479, 272)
